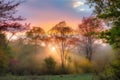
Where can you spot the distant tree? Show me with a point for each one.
(36, 34)
(89, 31)
(61, 34)
(24, 65)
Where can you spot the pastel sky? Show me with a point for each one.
(47, 13)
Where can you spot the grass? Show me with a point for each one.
(50, 77)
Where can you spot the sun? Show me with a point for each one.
(53, 49)
(43, 44)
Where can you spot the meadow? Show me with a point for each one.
(50, 77)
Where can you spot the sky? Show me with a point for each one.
(47, 13)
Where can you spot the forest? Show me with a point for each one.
(89, 51)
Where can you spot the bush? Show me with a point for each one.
(112, 72)
(50, 65)
(4, 62)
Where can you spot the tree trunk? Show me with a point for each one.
(62, 53)
(89, 49)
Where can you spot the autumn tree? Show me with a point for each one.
(109, 10)
(9, 22)
(88, 31)
(36, 34)
(7, 14)
(60, 34)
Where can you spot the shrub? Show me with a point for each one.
(50, 65)
(112, 72)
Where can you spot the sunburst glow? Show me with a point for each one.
(53, 49)
(43, 44)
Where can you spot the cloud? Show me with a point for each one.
(81, 6)
(82, 9)
(77, 4)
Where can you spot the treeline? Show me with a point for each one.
(62, 39)
(76, 49)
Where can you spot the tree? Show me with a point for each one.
(8, 20)
(8, 10)
(4, 55)
(36, 34)
(8, 23)
(112, 37)
(110, 10)
(4, 62)
(61, 34)
(50, 64)
(89, 30)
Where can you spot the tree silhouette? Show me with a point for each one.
(8, 20)
(36, 34)
(8, 11)
(60, 34)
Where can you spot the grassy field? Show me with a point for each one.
(55, 77)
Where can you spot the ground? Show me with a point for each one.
(52, 77)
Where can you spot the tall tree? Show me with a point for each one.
(8, 23)
(8, 20)
(36, 34)
(89, 29)
(110, 10)
(60, 34)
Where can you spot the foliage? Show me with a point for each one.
(23, 62)
(50, 65)
(8, 23)
(36, 33)
(112, 36)
(5, 54)
(7, 16)
(7, 11)
(61, 34)
(110, 10)
(4, 62)
(106, 8)
(89, 30)
(112, 71)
